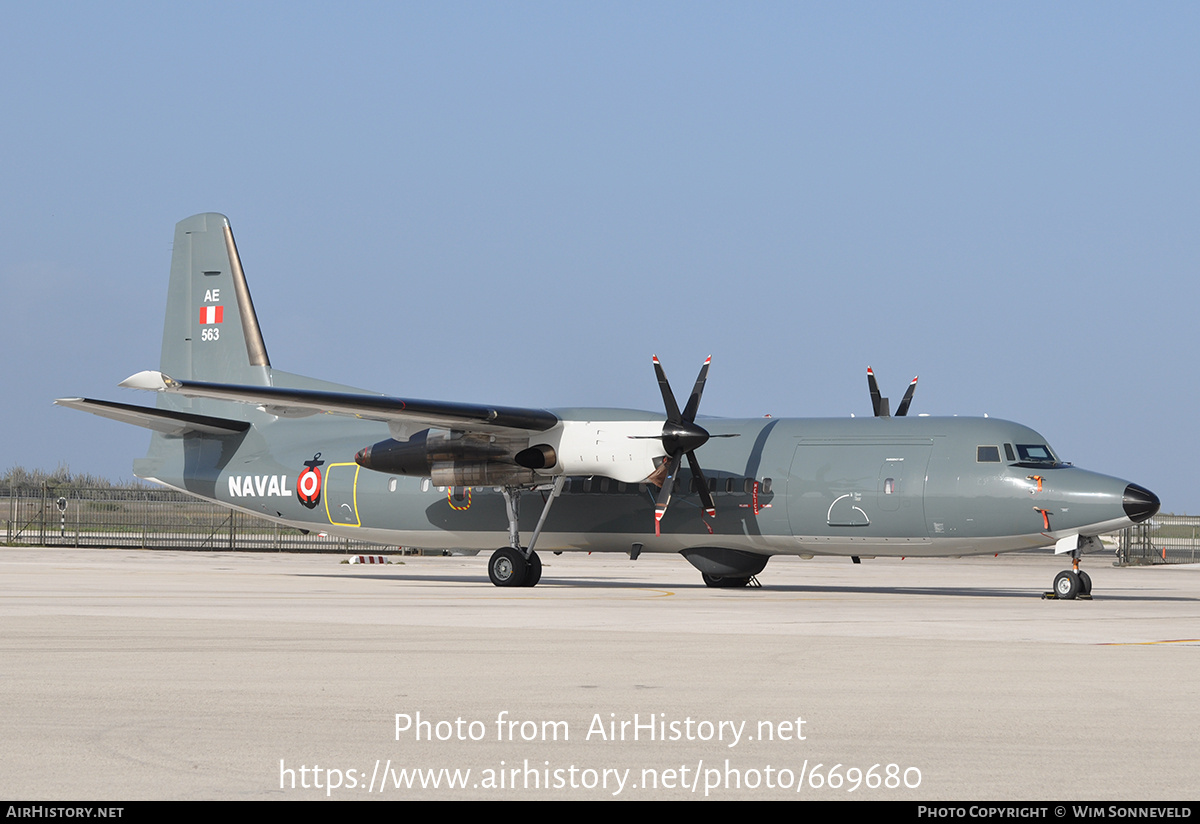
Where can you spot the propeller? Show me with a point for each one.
(880, 403)
(681, 437)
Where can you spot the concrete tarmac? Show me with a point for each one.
(183, 675)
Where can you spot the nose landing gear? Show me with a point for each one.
(1073, 583)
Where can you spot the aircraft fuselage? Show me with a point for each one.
(860, 486)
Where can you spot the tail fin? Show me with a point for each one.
(211, 331)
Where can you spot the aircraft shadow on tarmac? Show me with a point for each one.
(1143, 595)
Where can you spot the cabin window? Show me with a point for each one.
(391, 484)
(748, 486)
(766, 486)
(988, 454)
(889, 486)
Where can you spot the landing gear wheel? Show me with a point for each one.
(533, 570)
(507, 567)
(1085, 584)
(723, 583)
(1067, 585)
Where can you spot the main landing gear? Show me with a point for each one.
(1073, 583)
(509, 567)
(720, 582)
(514, 565)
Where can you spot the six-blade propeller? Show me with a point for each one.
(681, 436)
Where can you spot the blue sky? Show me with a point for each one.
(520, 203)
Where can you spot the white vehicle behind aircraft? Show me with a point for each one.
(230, 428)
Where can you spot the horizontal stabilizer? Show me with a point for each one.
(166, 421)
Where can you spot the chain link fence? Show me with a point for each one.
(149, 519)
(164, 519)
(1164, 539)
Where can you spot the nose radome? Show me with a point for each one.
(1139, 503)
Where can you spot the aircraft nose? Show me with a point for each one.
(1139, 503)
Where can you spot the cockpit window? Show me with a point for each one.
(988, 454)
(1036, 453)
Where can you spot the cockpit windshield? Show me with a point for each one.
(1036, 454)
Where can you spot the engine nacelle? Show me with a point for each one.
(481, 473)
(449, 458)
(624, 450)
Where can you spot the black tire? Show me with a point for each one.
(1085, 583)
(723, 583)
(533, 570)
(507, 567)
(1066, 585)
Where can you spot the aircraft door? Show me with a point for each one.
(855, 490)
(900, 489)
(341, 494)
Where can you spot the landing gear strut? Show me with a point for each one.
(514, 565)
(1072, 583)
(719, 582)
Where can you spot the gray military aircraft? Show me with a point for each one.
(310, 454)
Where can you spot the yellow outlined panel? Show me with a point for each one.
(331, 488)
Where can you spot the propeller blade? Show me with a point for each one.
(902, 410)
(664, 494)
(702, 487)
(878, 402)
(693, 404)
(667, 395)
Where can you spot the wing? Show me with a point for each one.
(458, 444)
(403, 415)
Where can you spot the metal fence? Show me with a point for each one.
(1164, 539)
(149, 519)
